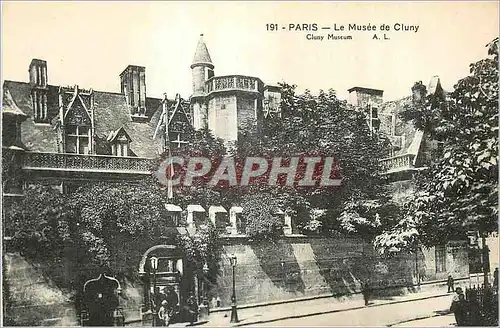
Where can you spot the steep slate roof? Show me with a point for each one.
(110, 114)
(201, 55)
(9, 105)
(36, 137)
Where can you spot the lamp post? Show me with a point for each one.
(204, 301)
(485, 252)
(205, 273)
(154, 266)
(234, 313)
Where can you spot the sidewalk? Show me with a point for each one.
(272, 313)
(446, 320)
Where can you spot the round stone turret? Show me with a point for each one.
(202, 68)
(201, 56)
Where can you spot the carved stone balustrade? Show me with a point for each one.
(87, 163)
(398, 163)
(232, 82)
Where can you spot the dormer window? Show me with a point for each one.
(120, 143)
(120, 147)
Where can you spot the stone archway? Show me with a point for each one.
(165, 282)
(149, 251)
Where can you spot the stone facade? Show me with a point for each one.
(62, 136)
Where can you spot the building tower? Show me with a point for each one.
(202, 69)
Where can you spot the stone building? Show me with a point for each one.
(225, 103)
(64, 135)
(86, 133)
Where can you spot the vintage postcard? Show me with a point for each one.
(275, 163)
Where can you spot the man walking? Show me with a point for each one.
(366, 291)
(450, 284)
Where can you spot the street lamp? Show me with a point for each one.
(205, 273)
(485, 252)
(234, 313)
(154, 266)
(204, 300)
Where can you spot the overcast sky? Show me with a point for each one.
(91, 43)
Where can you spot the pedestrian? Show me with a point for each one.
(366, 291)
(157, 299)
(450, 284)
(163, 313)
(192, 307)
(495, 278)
(172, 300)
(459, 307)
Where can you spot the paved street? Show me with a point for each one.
(384, 315)
(391, 311)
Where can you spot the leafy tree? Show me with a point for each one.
(108, 226)
(42, 223)
(100, 227)
(202, 247)
(202, 143)
(110, 214)
(459, 190)
(325, 126)
(263, 212)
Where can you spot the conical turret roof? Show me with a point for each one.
(201, 56)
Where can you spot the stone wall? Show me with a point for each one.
(457, 262)
(297, 267)
(362, 99)
(292, 267)
(247, 111)
(31, 298)
(222, 117)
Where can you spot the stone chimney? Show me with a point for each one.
(362, 97)
(38, 73)
(38, 82)
(133, 87)
(419, 91)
